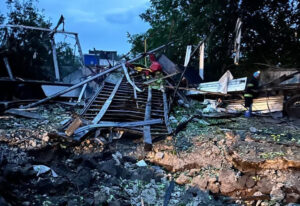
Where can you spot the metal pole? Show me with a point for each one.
(35, 28)
(81, 93)
(56, 69)
(90, 79)
(11, 76)
(79, 50)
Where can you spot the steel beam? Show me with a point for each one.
(56, 69)
(147, 131)
(8, 68)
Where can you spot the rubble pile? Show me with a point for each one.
(233, 157)
(33, 133)
(79, 177)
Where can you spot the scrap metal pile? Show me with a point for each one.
(121, 107)
(131, 103)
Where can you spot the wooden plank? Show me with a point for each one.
(142, 101)
(128, 118)
(107, 102)
(103, 124)
(122, 116)
(127, 108)
(127, 99)
(73, 126)
(131, 111)
(262, 104)
(146, 130)
(109, 90)
(166, 112)
(127, 94)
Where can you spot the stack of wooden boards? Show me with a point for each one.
(261, 105)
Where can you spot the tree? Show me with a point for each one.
(268, 31)
(29, 51)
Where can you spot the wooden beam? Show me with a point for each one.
(166, 112)
(73, 126)
(146, 130)
(107, 102)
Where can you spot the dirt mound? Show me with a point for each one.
(235, 167)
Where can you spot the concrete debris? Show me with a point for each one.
(141, 163)
(41, 169)
(253, 129)
(149, 196)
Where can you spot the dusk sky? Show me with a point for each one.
(101, 24)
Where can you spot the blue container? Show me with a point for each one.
(90, 60)
(248, 114)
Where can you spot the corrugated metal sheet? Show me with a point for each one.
(272, 74)
(234, 85)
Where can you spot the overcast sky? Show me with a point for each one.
(102, 24)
